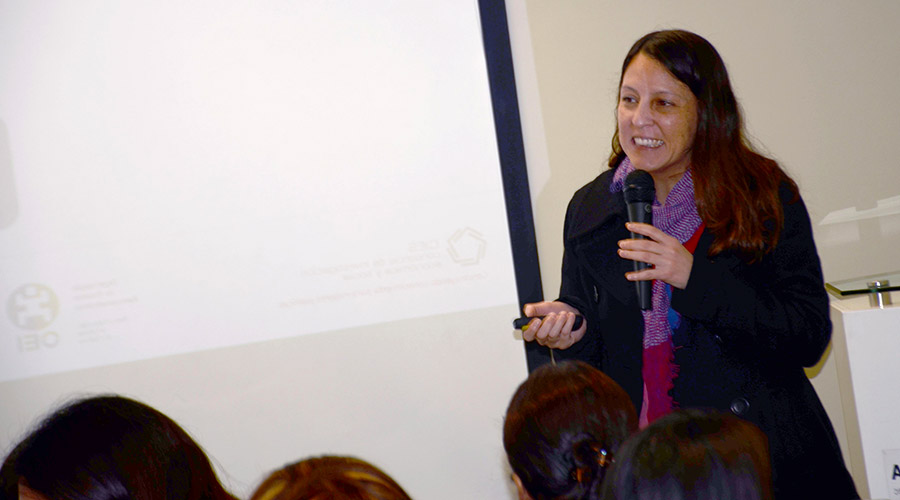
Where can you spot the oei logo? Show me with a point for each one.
(33, 307)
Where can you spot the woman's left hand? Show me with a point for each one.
(670, 261)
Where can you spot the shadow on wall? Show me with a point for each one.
(814, 371)
(9, 201)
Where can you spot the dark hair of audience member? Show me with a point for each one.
(110, 448)
(562, 429)
(329, 478)
(693, 455)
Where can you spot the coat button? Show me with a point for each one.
(740, 406)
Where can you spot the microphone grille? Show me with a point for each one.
(639, 187)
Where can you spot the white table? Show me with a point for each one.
(859, 384)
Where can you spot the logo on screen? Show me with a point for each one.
(32, 307)
(466, 246)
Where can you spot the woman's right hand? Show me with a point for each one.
(555, 330)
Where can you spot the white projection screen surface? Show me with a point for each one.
(236, 209)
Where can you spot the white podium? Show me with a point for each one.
(859, 384)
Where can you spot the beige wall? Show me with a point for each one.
(817, 81)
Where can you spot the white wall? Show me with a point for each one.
(427, 407)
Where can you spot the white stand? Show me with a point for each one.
(857, 383)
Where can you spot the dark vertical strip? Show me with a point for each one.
(495, 35)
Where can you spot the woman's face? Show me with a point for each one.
(657, 116)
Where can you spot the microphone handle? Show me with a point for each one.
(642, 212)
(645, 292)
(644, 288)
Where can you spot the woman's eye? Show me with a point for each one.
(628, 99)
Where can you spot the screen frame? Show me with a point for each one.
(513, 166)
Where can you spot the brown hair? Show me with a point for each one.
(329, 478)
(563, 426)
(735, 188)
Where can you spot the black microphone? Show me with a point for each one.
(639, 194)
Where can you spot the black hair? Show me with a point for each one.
(111, 448)
(693, 455)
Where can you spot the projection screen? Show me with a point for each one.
(239, 211)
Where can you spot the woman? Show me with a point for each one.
(329, 478)
(563, 427)
(738, 300)
(109, 448)
(692, 454)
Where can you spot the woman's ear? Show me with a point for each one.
(523, 495)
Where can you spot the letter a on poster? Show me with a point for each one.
(892, 470)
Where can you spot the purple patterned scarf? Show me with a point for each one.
(678, 218)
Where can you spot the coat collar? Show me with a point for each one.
(595, 206)
(597, 223)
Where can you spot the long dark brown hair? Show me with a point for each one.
(736, 189)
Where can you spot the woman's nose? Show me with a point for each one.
(643, 115)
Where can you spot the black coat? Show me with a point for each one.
(751, 328)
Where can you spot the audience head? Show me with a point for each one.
(329, 478)
(692, 455)
(562, 429)
(109, 448)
